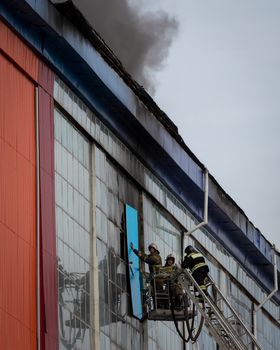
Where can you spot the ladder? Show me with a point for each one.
(223, 323)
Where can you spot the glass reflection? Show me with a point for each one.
(73, 235)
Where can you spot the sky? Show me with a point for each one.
(220, 84)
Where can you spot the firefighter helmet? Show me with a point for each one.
(153, 245)
(189, 249)
(170, 256)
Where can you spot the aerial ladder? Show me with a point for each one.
(212, 310)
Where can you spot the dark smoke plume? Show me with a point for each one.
(140, 40)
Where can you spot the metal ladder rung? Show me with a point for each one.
(241, 335)
(229, 317)
(251, 343)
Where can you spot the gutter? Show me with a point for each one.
(205, 219)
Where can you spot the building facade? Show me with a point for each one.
(80, 140)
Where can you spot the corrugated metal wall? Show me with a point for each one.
(17, 209)
(49, 289)
(20, 72)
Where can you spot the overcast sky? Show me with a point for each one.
(221, 87)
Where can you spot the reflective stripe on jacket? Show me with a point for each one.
(193, 261)
(168, 269)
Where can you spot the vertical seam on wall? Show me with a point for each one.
(38, 241)
(94, 275)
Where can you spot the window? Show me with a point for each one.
(74, 229)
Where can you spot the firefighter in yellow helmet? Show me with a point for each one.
(195, 262)
(153, 259)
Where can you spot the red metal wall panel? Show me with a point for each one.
(13, 47)
(18, 208)
(20, 70)
(45, 78)
(47, 200)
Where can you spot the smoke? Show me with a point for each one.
(141, 40)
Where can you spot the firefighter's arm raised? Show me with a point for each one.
(150, 260)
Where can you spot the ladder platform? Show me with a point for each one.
(166, 315)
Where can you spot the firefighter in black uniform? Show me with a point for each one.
(196, 263)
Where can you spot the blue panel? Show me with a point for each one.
(131, 216)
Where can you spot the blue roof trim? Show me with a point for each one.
(227, 224)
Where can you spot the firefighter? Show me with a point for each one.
(170, 265)
(153, 259)
(196, 263)
(176, 290)
(167, 270)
